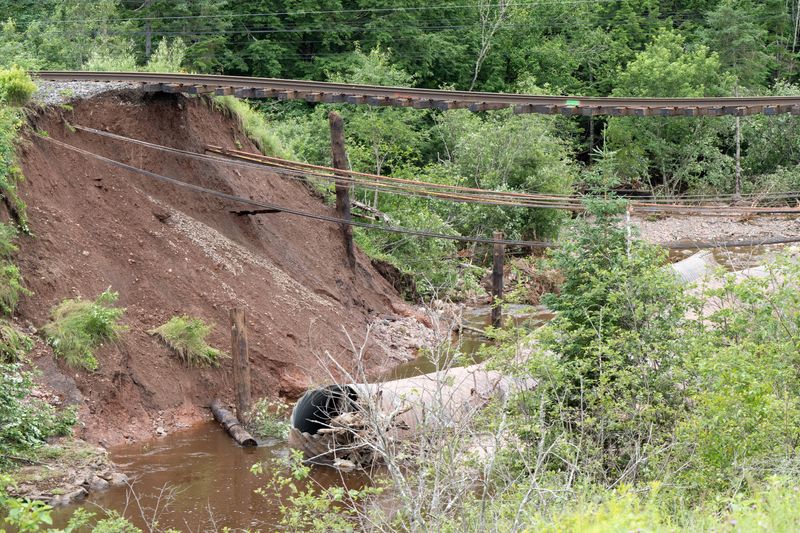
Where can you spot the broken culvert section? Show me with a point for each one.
(347, 425)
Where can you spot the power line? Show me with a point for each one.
(417, 188)
(434, 7)
(392, 229)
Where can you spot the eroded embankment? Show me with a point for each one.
(170, 252)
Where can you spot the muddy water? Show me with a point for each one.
(209, 476)
(467, 346)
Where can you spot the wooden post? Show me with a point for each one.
(342, 189)
(497, 280)
(241, 363)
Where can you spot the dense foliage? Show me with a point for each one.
(619, 47)
(26, 421)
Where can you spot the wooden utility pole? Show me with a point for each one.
(497, 279)
(342, 189)
(241, 363)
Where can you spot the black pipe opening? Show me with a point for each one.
(315, 409)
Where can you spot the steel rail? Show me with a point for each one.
(316, 91)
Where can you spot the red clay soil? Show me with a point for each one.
(169, 251)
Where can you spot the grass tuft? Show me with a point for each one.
(77, 327)
(7, 235)
(186, 336)
(11, 287)
(14, 344)
(253, 123)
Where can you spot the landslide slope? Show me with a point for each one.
(169, 251)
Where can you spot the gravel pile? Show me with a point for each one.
(692, 228)
(60, 92)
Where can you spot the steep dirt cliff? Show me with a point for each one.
(170, 251)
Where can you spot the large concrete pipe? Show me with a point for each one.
(333, 424)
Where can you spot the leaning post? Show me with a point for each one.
(497, 279)
(342, 189)
(241, 363)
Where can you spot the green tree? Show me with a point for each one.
(654, 150)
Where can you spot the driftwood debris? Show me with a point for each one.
(232, 425)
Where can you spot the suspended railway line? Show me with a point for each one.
(316, 91)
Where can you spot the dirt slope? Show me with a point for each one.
(169, 251)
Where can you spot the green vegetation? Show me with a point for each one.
(16, 89)
(269, 419)
(11, 287)
(186, 336)
(27, 421)
(14, 344)
(77, 327)
(253, 123)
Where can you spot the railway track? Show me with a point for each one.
(316, 91)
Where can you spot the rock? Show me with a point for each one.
(98, 483)
(344, 465)
(118, 478)
(160, 431)
(65, 499)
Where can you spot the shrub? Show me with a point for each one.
(27, 422)
(10, 173)
(77, 327)
(186, 336)
(16, 87)
(268, 419)
(610, 359)
(13, 343)
(11, 287)
(7, 235)
(168, 57)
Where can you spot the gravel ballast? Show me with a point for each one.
(62, 92)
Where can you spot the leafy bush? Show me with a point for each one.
(77, 327)
(7, 235)
(269, 419)
(168, 57)
(13, 343)
(11, 287)
(10, 173)
(609, 361)
(103, 59)
(16, 87)
(187, 337)
(27, 422)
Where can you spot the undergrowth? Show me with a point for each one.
(11, 287)
(26, 422)
(13, 343)
(78, 327)
(16, 89)
(268, 419)
(186, 336)
(253, 123)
